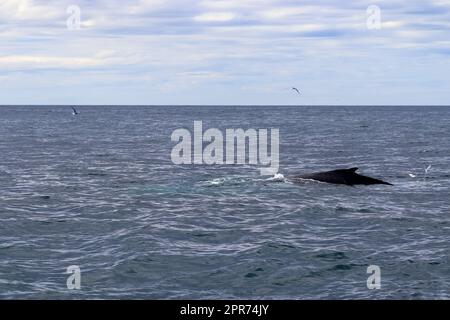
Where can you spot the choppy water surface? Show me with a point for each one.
(99, 191)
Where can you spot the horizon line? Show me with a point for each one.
(223, 105)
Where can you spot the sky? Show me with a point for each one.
(223, 52)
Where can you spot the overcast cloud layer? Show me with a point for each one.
(224, 52)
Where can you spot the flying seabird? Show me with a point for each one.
(74, 112)
(294, 88)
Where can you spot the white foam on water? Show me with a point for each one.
(277, 177)
(216, 182)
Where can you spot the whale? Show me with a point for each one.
(341, 176)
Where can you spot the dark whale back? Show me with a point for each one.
(341, 176)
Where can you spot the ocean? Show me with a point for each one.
(100, 192)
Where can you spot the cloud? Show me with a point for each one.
(201, 45)
(26, 10)
(215, 17)
(32, 62)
